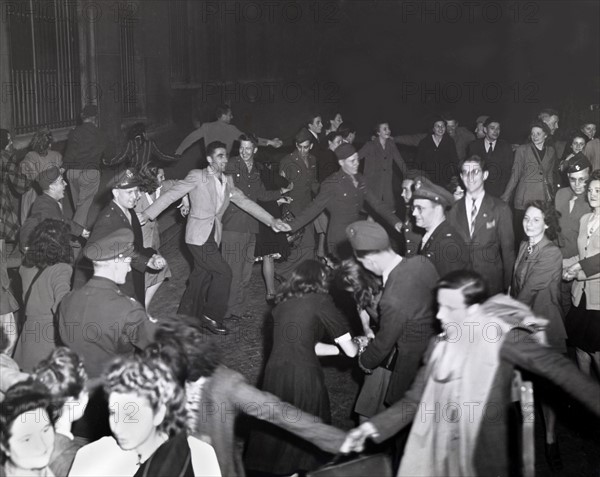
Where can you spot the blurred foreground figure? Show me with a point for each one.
(460, 399)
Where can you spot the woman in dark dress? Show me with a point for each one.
(269, 245)
(436, 154)
(304, 316)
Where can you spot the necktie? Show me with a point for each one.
(473, 217)
(490, 147)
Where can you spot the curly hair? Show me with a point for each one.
(540, 125)
(170, 352)
(202, 354)
(62, 372)
(23, 397)
(551, 216)
(352, 276)
(41, 141)
(308, 277)
(49, 244)
(148, 179)
(153, 380)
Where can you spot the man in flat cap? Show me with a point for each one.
(86, 146)
(300, 168)
(48, 205)
(484, 223)
(406, 317)
(441, 243)
(98, 321)
(571, 203)
(119, 213)
(344, 194)
(210, 191)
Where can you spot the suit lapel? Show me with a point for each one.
(211, 187)
(484, 214)
(461, 218)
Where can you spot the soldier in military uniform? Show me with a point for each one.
(118, 214)
(98, 321)
(441, 243)
(300, 168)
(344, 194)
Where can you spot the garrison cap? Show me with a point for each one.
(48, 176)
(115, 246)
(434, 193)
(303, 136)
(367, 235)
(577, 163)
(344, 151)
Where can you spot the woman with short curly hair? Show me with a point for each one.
(46, 278)
(147, 418)
(62, 372)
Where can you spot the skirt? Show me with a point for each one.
(583, 327)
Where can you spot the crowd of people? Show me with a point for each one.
(405, 266)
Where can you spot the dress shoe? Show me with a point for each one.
(213, 326)
(553, 456)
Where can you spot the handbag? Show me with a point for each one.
(347, 466)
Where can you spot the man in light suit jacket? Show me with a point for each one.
(210, 192)
(485, 224)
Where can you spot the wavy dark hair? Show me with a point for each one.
(23, 397)
(470, 283)
(170, 352)
(202, 354)
(153, 380)
(49, 244)
(41, 141)
(148, 178)
(551, 216)
(62, 372)
(353, 277)
(4, 135)
(308, 277)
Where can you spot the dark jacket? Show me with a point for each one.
(344, 202)
(251, 184)
(440, 163)
(406, 322)
(86, 146)
(499, 163)
(446, 249)
(491, 249)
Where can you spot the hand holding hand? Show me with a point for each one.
(284, 200)
(355, 439)
(279, 225)
(399, 226)
(285, 190)
(157, 262)
(275, 142)
(85, 234)
(142, 217)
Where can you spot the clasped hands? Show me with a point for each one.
(355, 439)
(156, 262)
(279, 225)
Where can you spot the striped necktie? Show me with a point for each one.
(473, 217)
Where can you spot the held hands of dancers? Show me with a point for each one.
(156, 262)
(279, 225)
(355, 439)
(184, 206)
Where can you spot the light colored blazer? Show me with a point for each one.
(591, 284)
(205, 213)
